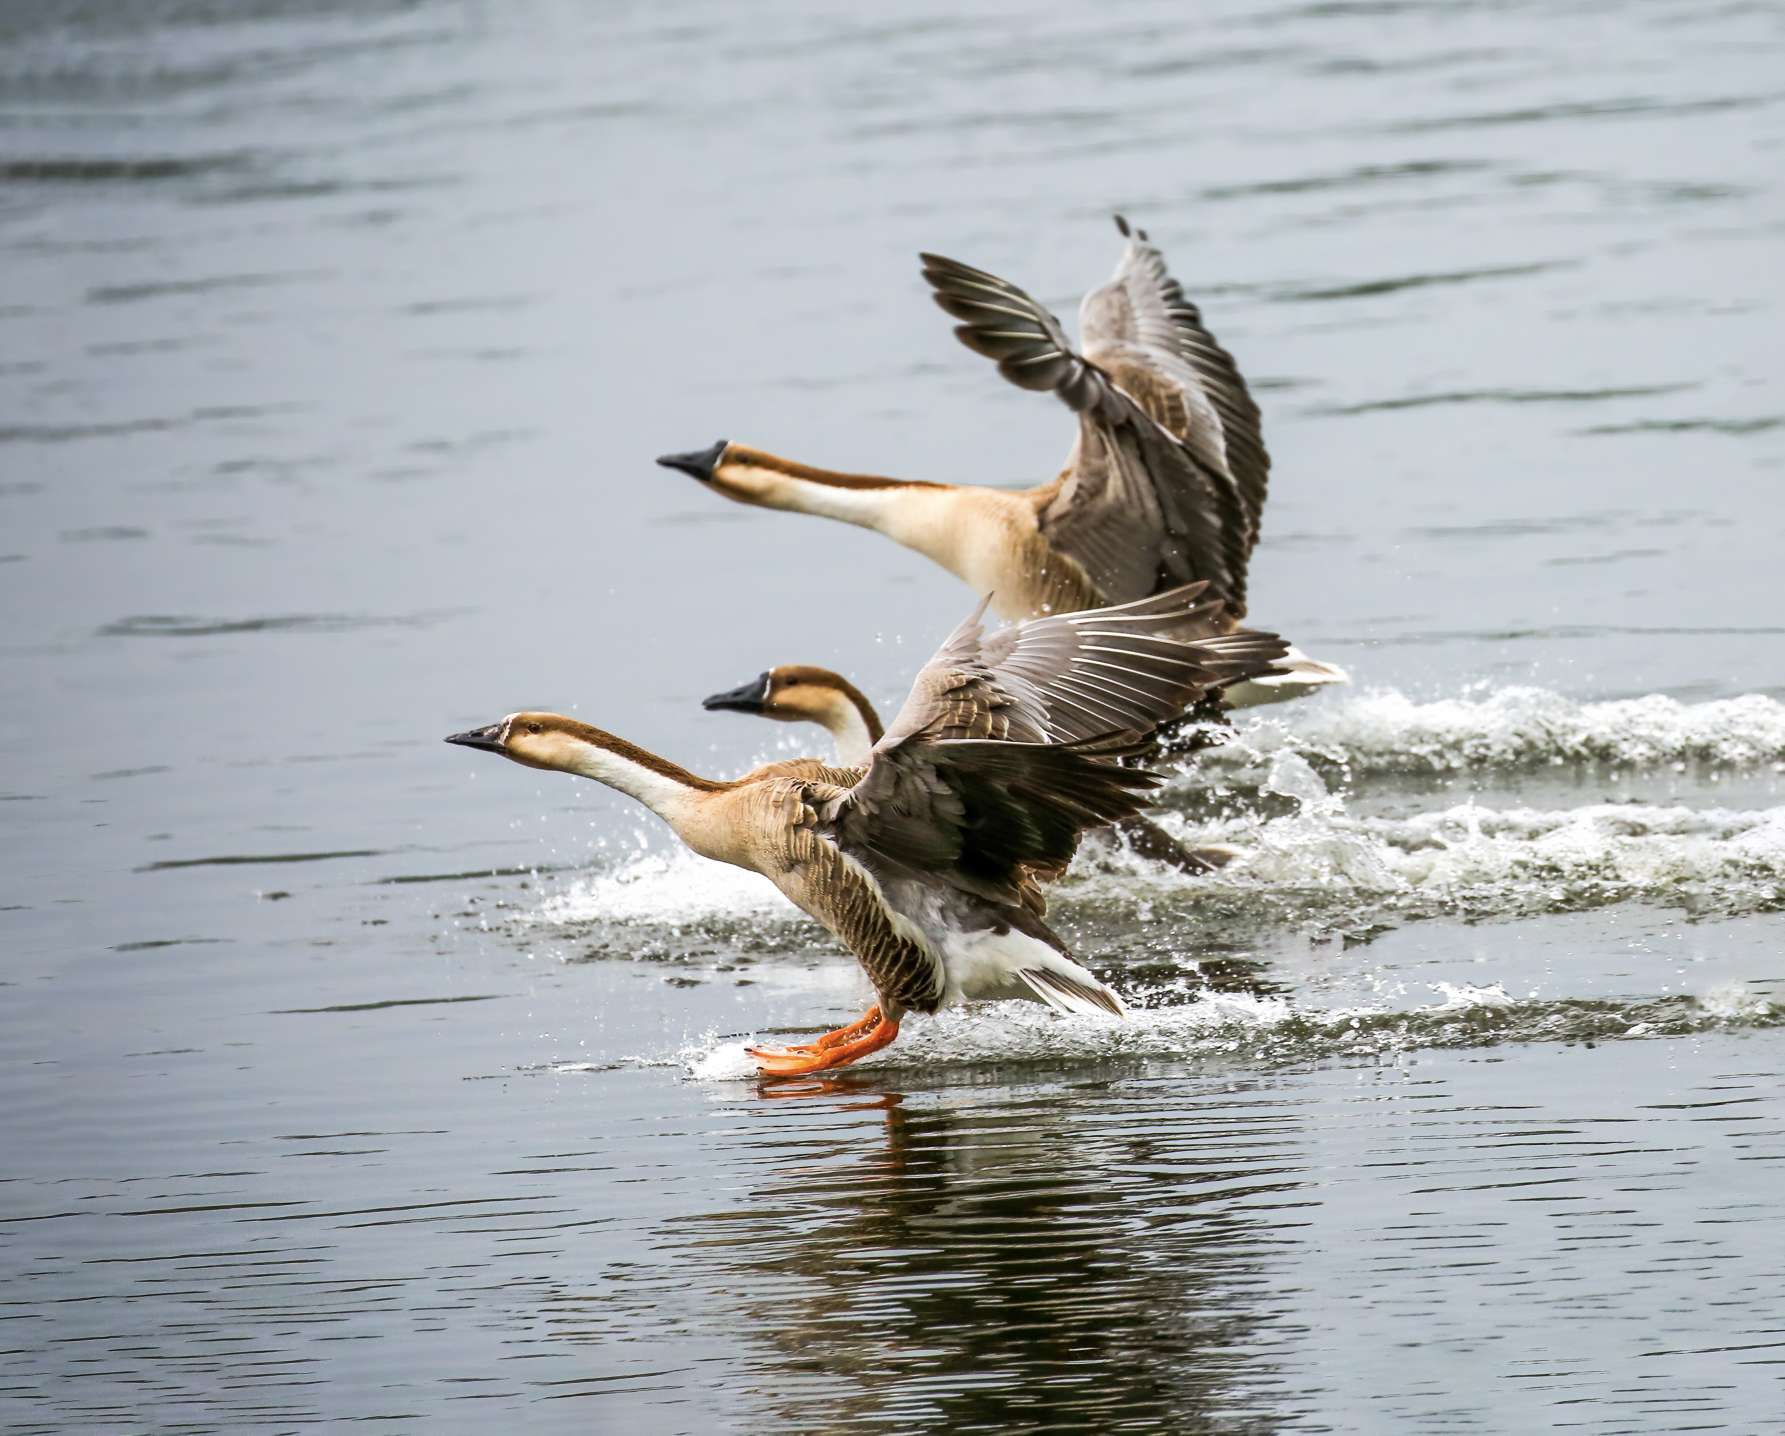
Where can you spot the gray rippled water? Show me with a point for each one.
(345, 1078)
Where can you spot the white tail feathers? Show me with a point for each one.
(993, 965)
(1066, 987)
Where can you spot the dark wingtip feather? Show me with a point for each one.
(940, 266)
(1121, 224)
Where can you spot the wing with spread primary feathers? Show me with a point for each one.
(1074, 676)
(1200, 394)
(1012, 744)
(1147, 499)
(985, 816)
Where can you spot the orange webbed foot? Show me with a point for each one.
(835, 1049)
(864, 1023)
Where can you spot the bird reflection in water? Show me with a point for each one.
(1077, 1252)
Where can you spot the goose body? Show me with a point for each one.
(804, 693)
(925, 861)
(1164, 485)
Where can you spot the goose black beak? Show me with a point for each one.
(700, 463)
(751, 697)
(490, 738)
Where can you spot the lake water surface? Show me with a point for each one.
(347, 1076)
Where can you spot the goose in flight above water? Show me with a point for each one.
(1164, 484)
(925, 861)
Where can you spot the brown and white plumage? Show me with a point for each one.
(1147, 498)
(924, 862)
(1074, 676)
(1018, 684)
(1199, 395)
(1164, 485)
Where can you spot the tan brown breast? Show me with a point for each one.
(907, 975)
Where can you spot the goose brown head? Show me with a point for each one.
(799, 693)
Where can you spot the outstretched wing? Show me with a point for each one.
(984, 815)
(1199, 393)
(1074, 676)
(1140, 506)
(1014, 743)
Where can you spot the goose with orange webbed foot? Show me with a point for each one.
(925, 862)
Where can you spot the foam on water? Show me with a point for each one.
(671, 887)
(1456, 858)
(1511, 859)
(1258, 1029)
(1469, 845)
(1384, 730)
(1462, 997)
(1462, 857)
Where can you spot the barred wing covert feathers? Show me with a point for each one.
(1010, 745)
(1075, 676)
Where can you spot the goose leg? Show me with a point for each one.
(862, 1024)
(834, 1049)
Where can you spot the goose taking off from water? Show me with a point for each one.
(804, 693)
(1164, 484)
(925, 862)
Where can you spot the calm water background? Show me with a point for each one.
(348, 1077)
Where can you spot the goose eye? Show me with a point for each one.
(533, 728)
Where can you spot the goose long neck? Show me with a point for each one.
(854, 727)
(865, 500)
(671, 792)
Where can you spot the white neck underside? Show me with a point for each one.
(924, 517)
(866, 508)
(849, 730)
(665, 796)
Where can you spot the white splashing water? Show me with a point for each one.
(673, 888)
(1438, 854)
(1732, 1000)
(1466, 996)
(1462, 849)
(1468, 845)
(1251, 1028)
(1014, 1031)
(1442, 854)
(1518, 727)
